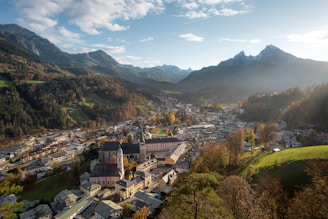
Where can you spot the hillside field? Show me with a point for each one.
(292, 154)
(289, 165)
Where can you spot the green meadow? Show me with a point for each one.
(292, 154)
(4, 83)
(289, 165)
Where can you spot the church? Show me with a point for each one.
(107, 173)
(141, 151)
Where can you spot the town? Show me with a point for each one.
(105, 189)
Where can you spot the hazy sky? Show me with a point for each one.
(185, 33)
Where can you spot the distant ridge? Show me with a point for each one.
(87, 63)
(271, 70)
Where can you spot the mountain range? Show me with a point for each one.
(233, 79)
(88, 63)
(271, 70)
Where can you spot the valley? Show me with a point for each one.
(95, 134)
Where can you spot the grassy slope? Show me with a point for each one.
(292, 154)
(46, 189)
(4, 83)
(289, 165)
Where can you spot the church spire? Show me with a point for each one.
(120, 163)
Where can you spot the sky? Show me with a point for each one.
(185, 33)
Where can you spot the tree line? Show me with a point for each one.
(299, 108)
(211, 190)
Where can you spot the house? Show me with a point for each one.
(58, 157)
(41, 211)
(124, 188)
(127, 188)
(166, 191)
(174, 157)
(147, 166)
(3, 161)
(107, 209)
(64, 200)
(167, 179)
(161, 146)
(84, 178)
(105, 193)
(91, 189)
(76, 208)
(16, 150)
(146, 199)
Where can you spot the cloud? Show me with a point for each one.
(196, 14)
(146, 39)
(230, 12)
(69, 35)
(249, 41)
(215, 2)
(138, 61)
(315, 37)
(89, 16)
(110, 49)
(190, 5)
(210, 8)
(45, 17)
(133, 58)
(191, 37)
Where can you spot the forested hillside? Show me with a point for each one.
(263, 107)
(63, 102)
(36, 95)
(311, 110)
(299, 108)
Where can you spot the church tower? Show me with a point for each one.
(120, 163)
(142, 148)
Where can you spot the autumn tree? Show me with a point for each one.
(250, 137)
(311, 201)
(271, 199)
(266, 133)
(171, 118)
(126, 212)
(212, 159)
(142, 213)
(195, 197)
(235, 146)
(128, 166)
(8, 210)
(30, 180)
(237, 196)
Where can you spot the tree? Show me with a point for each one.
(237, 196)
(311, 201)
(267, 133)
(142, 213)
(235, 145)
(30, 180)
(271, 200)
(250, 137)
(172, 118)
(212, 158)
(126, 210)
(128, 166)
(195, 197)
(8, 210)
